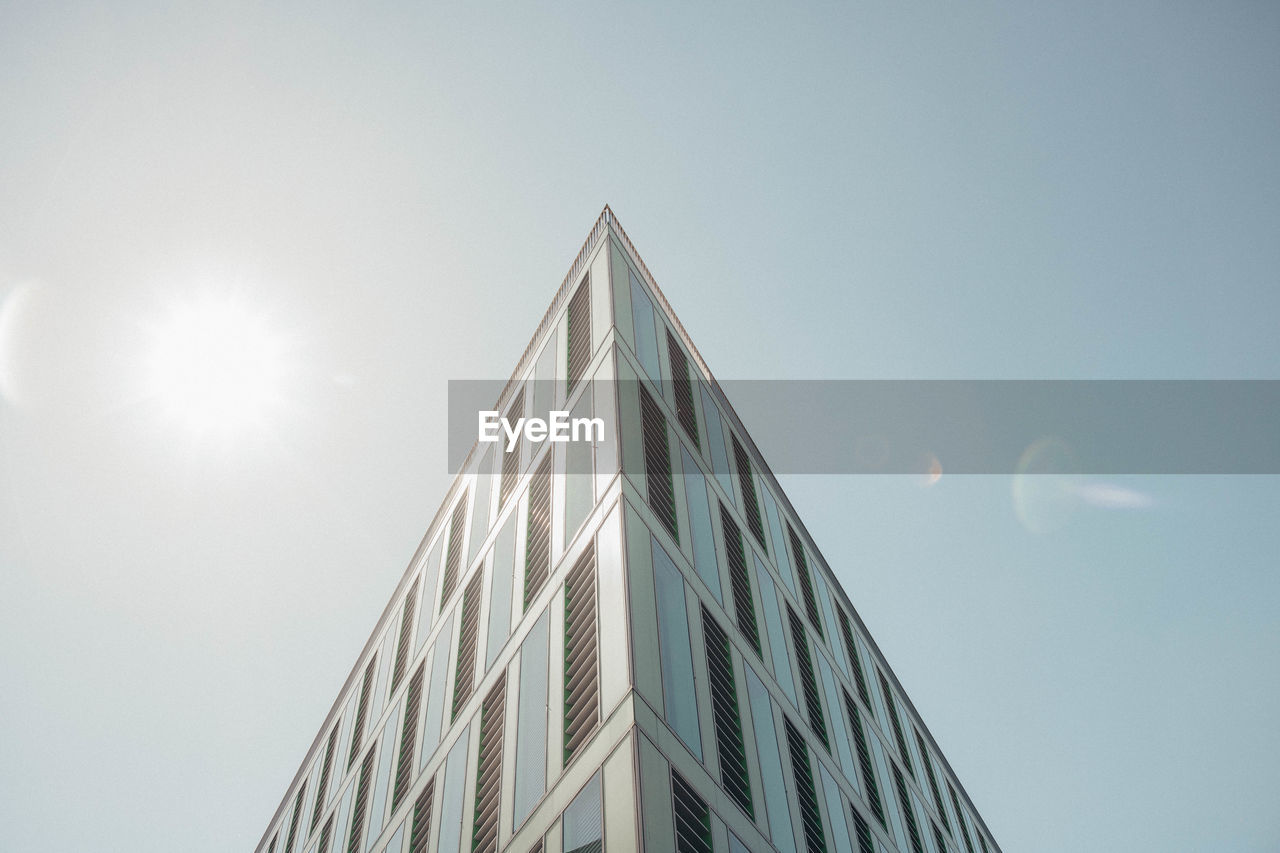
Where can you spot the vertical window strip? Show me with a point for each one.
(465, 667)
(408, 736)
(355, 843)
(581, 658)
(484, 838)
(982, 842)
(933, 780)
(657, 462)
(806, 579)
(579, 348)
(908, 813)
(862, 830)
(811, 816)
(692, 817)
(800, 647)
(325, 766)
(747, 485)
(743, 604)
(420, 833)
(685, 412)
(864, 758)
(964, 829)
(293, 821)
(271, 848)
(728, 720)
(453, 557)
(851, 648)
(938, 839)
(326, 835)
(511, 458)
(896, 723)
(362, 711)
(406, 628)
(537, 552)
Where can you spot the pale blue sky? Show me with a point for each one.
(1083, 190)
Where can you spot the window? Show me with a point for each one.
(811, 817)
(537, 552)
(715, 438)
(747, 485)
(704, 543)
(851, 648)
(806, 580)
(771, 778)
(581, 663)
(686, 415)
(531, 720)
(293, 821)
(420, 832)
(362, 710)
(582, 821)
(465, 669)
(645, 325)
(728, 721)
(864, 759)
(361, 804)
(657, 462)
(409, 736)
(743, 604)
(453, 557)
(835, 811)
(908, 813)
(435, 693)
(964, 829)
(451, 796)
(480, 512)
(777, 635)
(800, 646)
(504, 570)
(579, 333)
(938, 839)
(692, 817)
(326, 835)
(674, 650)
(484, 838)
(511, 458)
(896, 722)
(863, 830)
(933, 780)
(406, 629)
(325, 766)
(430, 576)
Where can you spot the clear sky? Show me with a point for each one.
(390, 196)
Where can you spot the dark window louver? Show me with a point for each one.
(406, 628)
(581, 661)
(896, 722)
(293, 821)
(271, 848)
(408, 736)
(537, 847)
(579, 333)
(326, 765)
(800, 648)
(908, 813)
(810, 815)
(537, 552)
(355, 843)
(938, 839)
(747, 485)
(657, 462)
(862, 830)
(484, 838)
(683, 386)
(964, 829)
(728, 721)
(981, 841)
(465, 668)
(326, 835)
(692, 817)
(851, 648)
(420, 833)
(511, 458)
(864, 759)
(806, 580)
(454, 555)
(362, 711)
(744, 606)
(933, 780)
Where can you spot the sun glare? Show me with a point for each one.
(216, 366)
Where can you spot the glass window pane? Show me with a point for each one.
(715, 438)
(379, 804)
(646, 331)
(777, 639)
(480, 512)
(579, 494)
(451, 801)
(775, 790)
(835, 812)
(435, 696)
(531, 720)
(504, 572)
(427, 607)
(675, 650)
(704, 544)
(779, 545)
(836, 722)
(583, 827)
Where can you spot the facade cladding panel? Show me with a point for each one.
(726, 744)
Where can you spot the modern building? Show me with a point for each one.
(629, 643)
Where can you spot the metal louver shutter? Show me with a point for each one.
(406, 628)
(964, 829)
(325, 767)
(864, 758)
(933, 780)
(581, 661)
(465, 669)
(692, 817)
(454, 554)
(800, 648)
(362, 711)
(420, 834)
(810, 816)
(747, 485)
(537, 552)
(355, 843)
(408, 736)
(657, 462)
(743, 604)
(510, 459)
(938, 840)
(851, 648)
(908, 813)
(897, 723)
(685, 412)
(579, 333)
(806, 579)
(537, 847)
(484, 838)
(293, 821)
(728, 721)
(326, 835)
(863, 832)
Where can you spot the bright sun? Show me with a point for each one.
(216, 366)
